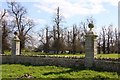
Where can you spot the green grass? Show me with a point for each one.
(115, 56)
(18, 70)
(108, 56)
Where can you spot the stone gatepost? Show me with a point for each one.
(0, 40)
(90, 47)
(0, 52)
(16, 45)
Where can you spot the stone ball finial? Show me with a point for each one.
(90, 25)
(16, 38)
(15, 33)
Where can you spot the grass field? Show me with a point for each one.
(115, 56)
(18, 70)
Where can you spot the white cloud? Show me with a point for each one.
(112, 2)
(70, 8)
(80, 7)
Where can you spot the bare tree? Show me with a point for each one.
(112, 39)
(45, 37)
(5, 31)
(2, 15)
(47, 41)
(21, 23)
(41, 39)
(74, 39)
(108, 40)
(103, 40)
(117, 41)
(110, 36)
(57, 21)
(68, 40)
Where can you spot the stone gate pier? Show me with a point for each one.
(0, 39)
(15, 45)
(90, 47)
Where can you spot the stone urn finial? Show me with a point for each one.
(16, 36)
(91, 26)
(15, 33)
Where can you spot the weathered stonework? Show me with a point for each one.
(90, 47)
(0, 51)
(107, 65)
(15, 45)
(0, 40)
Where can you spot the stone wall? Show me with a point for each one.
(59, 61)
(107, 65)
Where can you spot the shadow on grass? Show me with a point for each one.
(97, 77)
(75, 69)
(67, 71)
(72, 69)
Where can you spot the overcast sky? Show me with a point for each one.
(104, 12)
